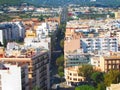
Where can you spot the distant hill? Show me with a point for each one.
(11, 2)
(107, 3)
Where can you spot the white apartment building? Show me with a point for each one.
(10, 77)
(43, 29)
(46, 29)
(98, 45)
(11, 31)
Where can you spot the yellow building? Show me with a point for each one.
(117, 15)
(30, 34)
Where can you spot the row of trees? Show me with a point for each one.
(5, 17)
(100, 80)
(60, 59)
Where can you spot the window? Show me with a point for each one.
(75, 79)
(74, 74)
(79, 79)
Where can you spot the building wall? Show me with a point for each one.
(11, 78)
(117, 15)
(1, 36)
(99, 44)
(76, 59)
(114, 87)
(41, 72)
(71, 75)
(30, 34)
(71, 45)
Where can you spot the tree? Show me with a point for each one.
(61, 74)
(85, 87)
(97, 77)
(41, 18)
(60, 61)
(101, 86)
(36, 88)
(86, 70)
(113, 76)
(60, 69)
(62, 43)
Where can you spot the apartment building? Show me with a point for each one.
(10, 77)
(110, 62)
(10, 31)
(76, 59)
(34, 63)
(106, 62)
(96, 45)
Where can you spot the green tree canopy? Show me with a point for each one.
(60, 69)
(61, 74)
(113, 76)
(60, 60)
(86, 70)
(36, 88)
(97, 77)
(85, 87)
(101, 86)
(62, 43)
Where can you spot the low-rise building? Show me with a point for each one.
(71, 75)
(113, 87)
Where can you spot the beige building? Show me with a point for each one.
(72, 41)
(114, 87)
(117, 15)
(71, 75)
(106, 62)
(110, 62)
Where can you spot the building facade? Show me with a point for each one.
(10, 77)
(90, 45)
(71, 75)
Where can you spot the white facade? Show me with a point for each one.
(95, 61)
(10, 78)
(12, 31)
(96, 45)
(42, 29)
(21, 29)
(1, 36)
(46, 28)
(36, 42)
